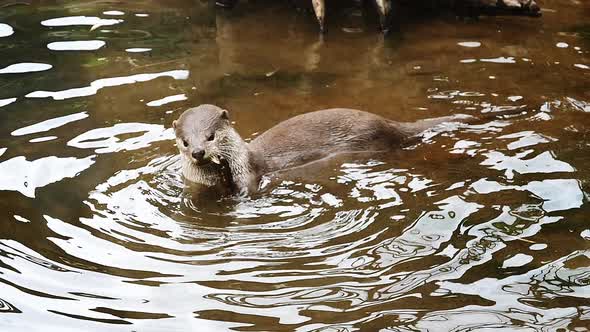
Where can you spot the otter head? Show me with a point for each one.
(200, 134)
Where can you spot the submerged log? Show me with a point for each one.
(384, 8)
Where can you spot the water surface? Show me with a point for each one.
(477, 227)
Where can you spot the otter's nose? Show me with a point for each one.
(198, 154)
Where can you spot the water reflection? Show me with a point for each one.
(26, 67)
(26, 177)
(78, 45)
(107, 82)
(105, 140)
(8, 101)
(167, 100)
(114, 13)
(138, 50)
(79, 20)
(473, 227)
(5, 30)
(49, 124)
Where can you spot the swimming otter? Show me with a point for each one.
(214, 154)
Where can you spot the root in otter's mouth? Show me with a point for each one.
(208, 161)
(215, 159)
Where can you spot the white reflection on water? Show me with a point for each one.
(25, 67)
(114, 13)
(49, 124)
(579, 105)
(527, 138)
(21, 219)
(383, 284)
(538, 246)
(428, 233)
(373, 185)
(470, 44)
(562, 45)
(5, 30)
(66, 293)
(105, 140)
(517, 261)
(107, 82)
(4, 102)
(167, 100)
(19, 174)
(519, 297)
(569, 195)
(79, 20)
(137, 50)
(331, 200)
(542, 163)
(465, 146)
(42, 139)
(76, 45)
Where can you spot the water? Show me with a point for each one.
(476, 228)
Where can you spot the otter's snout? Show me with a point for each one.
(198, 155)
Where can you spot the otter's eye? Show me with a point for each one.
(211, 137)
(185, 143)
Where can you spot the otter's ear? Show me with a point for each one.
(174, 124)
(225, 114)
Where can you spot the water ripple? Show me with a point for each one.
(6, 307)
(19, 174)
(105, 140)
(49, 124)
(107, 82)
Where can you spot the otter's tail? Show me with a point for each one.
(415, 128)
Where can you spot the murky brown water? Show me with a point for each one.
(479, 228)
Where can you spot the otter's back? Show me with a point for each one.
(316, 135)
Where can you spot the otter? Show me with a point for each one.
(214, 154)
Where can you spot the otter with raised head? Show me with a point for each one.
(214, 154)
